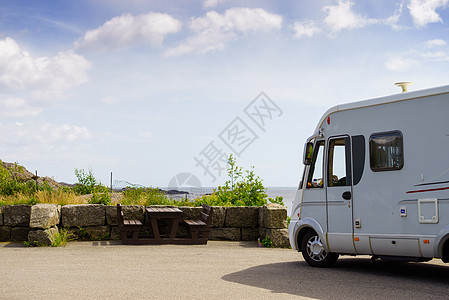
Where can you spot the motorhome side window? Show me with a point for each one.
(315, 178)
(386, 151)
(337, 164)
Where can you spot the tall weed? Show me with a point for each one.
(61, 238)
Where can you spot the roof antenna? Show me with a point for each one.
(404, 85)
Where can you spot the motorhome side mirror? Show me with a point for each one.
(308, 153)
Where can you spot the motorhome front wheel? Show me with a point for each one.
(314, 253)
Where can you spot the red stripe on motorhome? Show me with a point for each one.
(429, 190)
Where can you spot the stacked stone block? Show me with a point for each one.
(44, 221)
(5, 231)
(85, 221)
(273, 224)
(16, 221)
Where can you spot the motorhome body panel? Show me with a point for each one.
(397, 211)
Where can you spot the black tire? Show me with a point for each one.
(314, 253)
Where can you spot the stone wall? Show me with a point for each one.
(39, 223)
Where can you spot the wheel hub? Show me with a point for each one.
(315, 249)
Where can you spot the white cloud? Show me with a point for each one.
(401, 64)
(47, 142)
(68, 133)
(436, 43)
(437, 56)
(203, 43)
(419, 56)
(45, 136)
(48, 133)
(19, 70)
(308, 29)
(341, 17)
(214, 31)
(212, 3)
(393, 20)
(424, 12)
(238, 19)
(17, 108)
(127, 30)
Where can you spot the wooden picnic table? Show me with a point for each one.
(171, 214)
(130, 230)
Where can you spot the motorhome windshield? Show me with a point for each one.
(315, 178)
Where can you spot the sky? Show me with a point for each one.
(161, 92)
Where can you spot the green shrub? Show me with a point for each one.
(239, 190)
(45, 187)
(100, 198)
(266, 242)
(5, 178)
(87, 183)
(277, 200)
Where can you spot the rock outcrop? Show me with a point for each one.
(21, 174)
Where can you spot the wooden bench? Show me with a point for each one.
(199, 229)
(129, 229)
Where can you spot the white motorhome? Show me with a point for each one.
(376, 181)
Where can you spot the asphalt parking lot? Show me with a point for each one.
(231, 270)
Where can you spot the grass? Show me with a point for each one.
(60, 196)
(61, 238)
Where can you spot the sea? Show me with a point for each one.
(287, 193)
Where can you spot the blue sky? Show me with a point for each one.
(150, 90)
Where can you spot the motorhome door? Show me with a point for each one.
(339, 197)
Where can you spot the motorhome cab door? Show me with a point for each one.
(339, 195)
